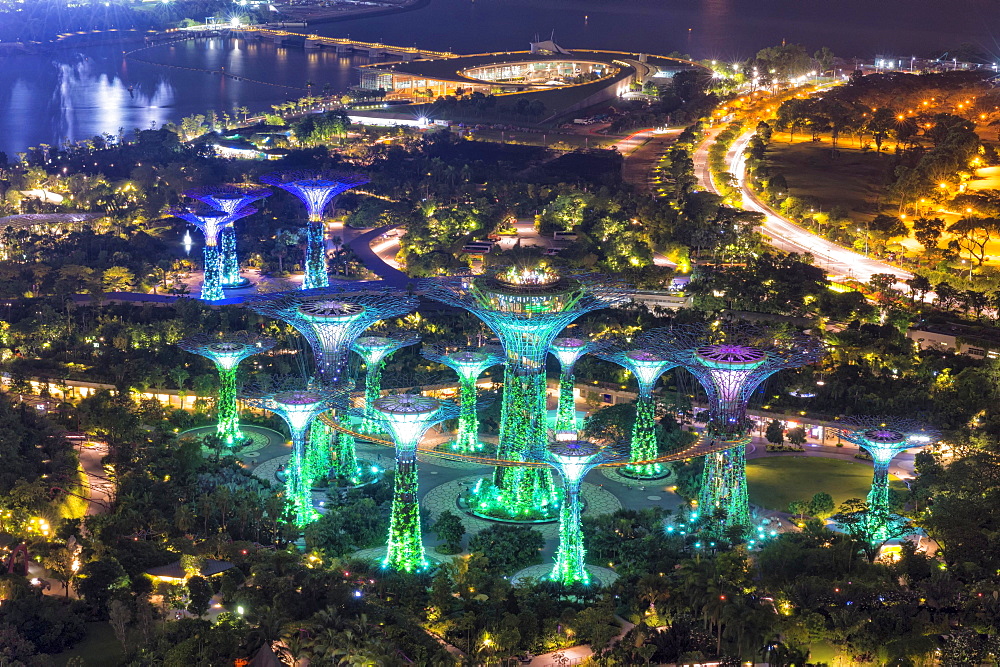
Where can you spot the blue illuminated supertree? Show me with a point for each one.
(526, 308)
(374, 350)
(884, 438)
(731, 361)
(227, 350)
(568, 351)
(229, 198)
(298, 407)
(330, 320)
(316, 189)
(212, 222)
(469, 364)
(646, 365)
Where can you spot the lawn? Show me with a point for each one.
(99, 647)
(779, 480)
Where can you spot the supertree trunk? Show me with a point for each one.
(211, 288)
(406, 549)
(298, 483)
(315, 262)
(373, 388)
(724, 487)
(644, 445)
(228, 414)
(467, 440)
(345, 457)
(566, 414)
(570, 566)
(230, 260)
(522, 490)
(318, 455)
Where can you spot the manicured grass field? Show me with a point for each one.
(99, 647)
(779, 480)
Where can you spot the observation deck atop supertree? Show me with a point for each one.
(227, 350)
(468, 364)
(374, 350)
(568, 351)
(526, 307)
(229, 198)
(315, 189)
(731, 361)
(884, 438)
(212, 222)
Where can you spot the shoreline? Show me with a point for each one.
(361, 14)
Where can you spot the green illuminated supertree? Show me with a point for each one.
(568, 351)
(212, 222)
(884, 438)
(229, 198)
(469, 364)
(298, 407)
(526, 308)
(573, 459)
(731, 361)
(227, 351)
(646, 365)
(374, 350)
(315, 189)
(407, 417)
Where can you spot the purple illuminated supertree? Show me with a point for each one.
(374, 350)
(731, 361)
(568, 351)
(212, 222)
(469, 364)
(229, 198)
(316, 189)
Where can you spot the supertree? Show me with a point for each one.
(647, 365)
(573, 459)
(884, 438)
(229, 198)
(526, 307)
(330, 320)
(298, 407)
(407, 417)
(468, 364)
(316, 189)
(227, 351)
(568, 351)
(731, 361)
(211, 222)
(374, 350)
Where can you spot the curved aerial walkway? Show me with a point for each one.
(361, 245)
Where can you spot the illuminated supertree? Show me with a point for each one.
(731, 361)
(316, 189)
(647, 365)
(331, 319)
(884, 438)
(573, 459)
(229, 198)
(568, 351)
(227, 351)
(374, 350)
(526, 308)
(468, 364)
(407, 417)
(212, 222)
(298, 407)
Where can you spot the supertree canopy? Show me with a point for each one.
(884, 438)
(526, 307)
(227, 351)
(407, 417)
(568, 351)
(647, 365)
(298, 407)
(229, 198)
(316, 189)
(374, 350)
(469, 364)
(212, 222)
(573, 459)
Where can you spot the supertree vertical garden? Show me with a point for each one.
(884, 438)
(211, 222)
(374, 350)
(229, 198)
(331, 320)
(526, 307)
(316, 189)
(227, 351)
(731, 361)
(298, 407)
(407, 417)
(646, 365)
(568, 351)
(573, 459)
(468, 364)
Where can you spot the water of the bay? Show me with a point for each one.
(77, 93)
